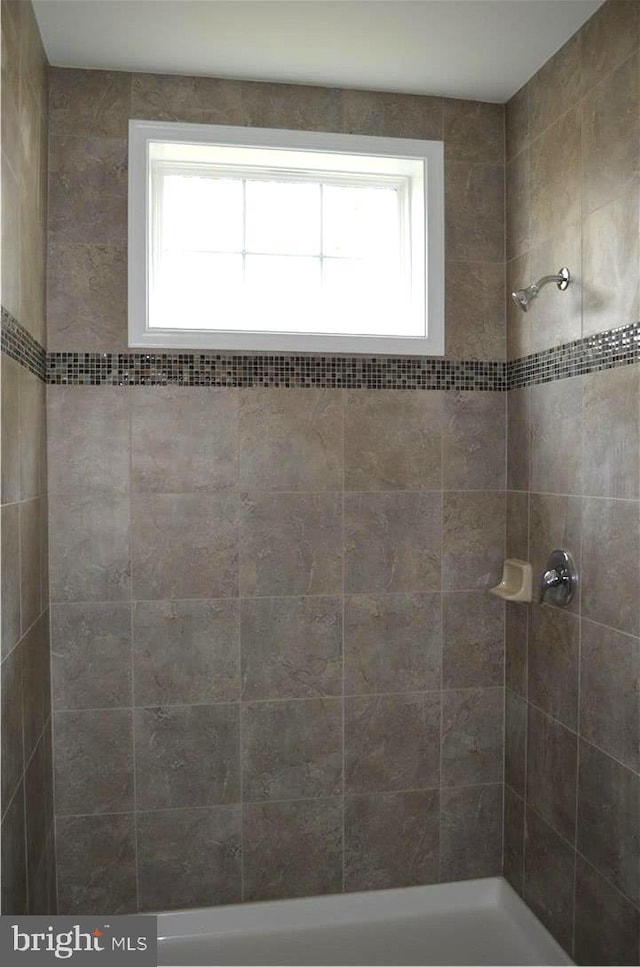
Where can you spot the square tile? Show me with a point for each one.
(608, 810)
(292, 849)
(292, 440)
(404, 451)
(392, 643)
(471, 832)
(93, 761)
(552, 764)
(392, 542)
(473, 532)
(473, 650)
(186, 652)
(184, 439)
(391, 840)
(291, 647)
(609, 689)
(392, 742)
(187, 756)
(292, 750)
(291, 544)
(472, 736)
(96, 865)
(189, 858)
(184, 546)
(91, 655)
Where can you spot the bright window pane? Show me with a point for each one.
(196, 290)
(283, 217)
(201, 214)
(360, 222)
(364, 296)
(279, 290)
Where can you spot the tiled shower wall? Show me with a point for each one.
(572, 807)
(28, 873)
(276, 669)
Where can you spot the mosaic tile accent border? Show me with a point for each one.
(606, 350)
(20, 345)
(322, 372)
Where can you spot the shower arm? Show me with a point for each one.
(561, 279)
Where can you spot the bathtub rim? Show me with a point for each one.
(341, 909)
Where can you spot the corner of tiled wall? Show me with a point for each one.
(28, 855)
(572, 806)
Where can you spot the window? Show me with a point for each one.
(286, 241)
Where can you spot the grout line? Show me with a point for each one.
(442, 648)
(343, 401)
(338, 797)
(415, 693)
(132, 660)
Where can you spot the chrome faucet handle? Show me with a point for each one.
(550, 579)
(560, 579)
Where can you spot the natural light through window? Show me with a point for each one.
(279, 243)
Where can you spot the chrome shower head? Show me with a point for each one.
(524, 297)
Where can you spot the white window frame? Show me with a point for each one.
(430, 245)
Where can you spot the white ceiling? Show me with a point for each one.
(480, 49)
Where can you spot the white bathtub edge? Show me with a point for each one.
(531, 926)
(321, 911)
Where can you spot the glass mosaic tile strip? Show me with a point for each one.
(606, 350)
(20, 345)
(326, 372)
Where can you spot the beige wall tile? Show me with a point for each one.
(611, 433)
(184, 546)
(473, 540)
(516, 118)
(292, 848)
(88, 196)
(291, 440)
(89, 548)
(610, 265)
(189, 857)
(473, 452)
(555, 88)
(555, 178)
(10, 575)
(10, 414)
(85, 844)
(391, 840)
(98, 103)
(33, 436)
(556, 443)
(518, 205)
(474, 212)
(291, 544)
(88, 440)
(392, 542)
(87, 297)
(184, 440)
(404, 450)
(475, 310)
(608, 38)
(473, 131)
(611, 530)
(611, 136)
(392, 115)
